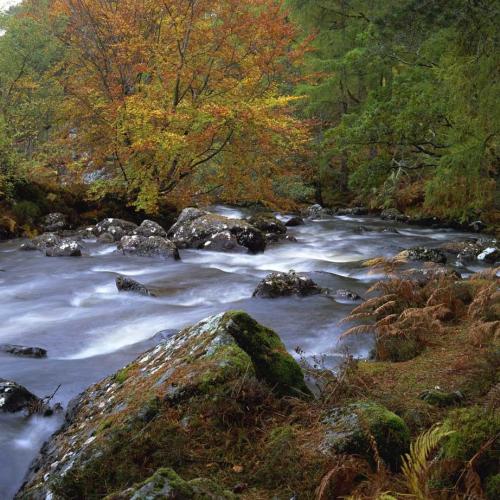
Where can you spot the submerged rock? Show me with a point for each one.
(150, 228)
(152, 246)
(294, 221)
(173, 389)
(21, 350)
(344, 294)
(203, 230)
(424, 254)
(352, 427)
(64, 248)
(280, 284)
(55, 221)
(124, 284)
(15, 397)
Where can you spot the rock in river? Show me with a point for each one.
(124, 284)
(152, 410)
(15, 397)
(285, 284)
(22, 350)
(424, 254)
(150, 228)
(152, 246)
(42, 242)
(65, 248)
(203, 230)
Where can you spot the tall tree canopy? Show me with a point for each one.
(162, 94)
(407, 98)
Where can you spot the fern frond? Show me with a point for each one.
(416, 464)
(357, 330)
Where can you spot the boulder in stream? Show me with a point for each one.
(41, 242)
(424, 254)
(267, 223)
(203, 230)
(394, 214)
(294, 221)
(152, 246)
(160, 407)
(317, 212)
(117, 228)
(22, 350)
(352, 211)
(15, 397)
(150, 228)
(64, 248)
(125, 284)
(280, 284)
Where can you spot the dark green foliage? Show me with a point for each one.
(407, 101)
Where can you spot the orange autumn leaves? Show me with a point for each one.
(175, 98)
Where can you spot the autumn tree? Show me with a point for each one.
(179, 97)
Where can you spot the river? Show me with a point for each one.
(71, 307)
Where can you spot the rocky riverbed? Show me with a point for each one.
(96, 299)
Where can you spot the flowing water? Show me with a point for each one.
(71, 307)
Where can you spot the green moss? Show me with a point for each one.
(437, 397)
(473, 428)
(492, 487)
(353, 426)
(271, 360)
(122, 375)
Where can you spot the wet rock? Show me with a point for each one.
(42, 242)
(394, 214)
(280, 284)
(203, 230)
(273, 238)
(15, 397)
(150, 228)
(65, 248)
(108, 238)
(344, 294)
(55, 221)
(438, 397)
(477, 226)
(317, 212)
(124, 284)
(490, 255)
(423, 276)
(352, 211)
(267, 224)
(153, 246)
(351, 428)
(294, 221)
(21, 350)
(169, 389)
(116, 227)
(424, 254)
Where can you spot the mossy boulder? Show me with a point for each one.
(280, 284)
(438, 397)
(474, 429)
(146, 415)
(353, 428)
(166, 484)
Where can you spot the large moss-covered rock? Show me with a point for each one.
(203, 230)
(280, 284)
(165, 484)
(351, 429)
(146, 415)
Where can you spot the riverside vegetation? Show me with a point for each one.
(119, 113)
